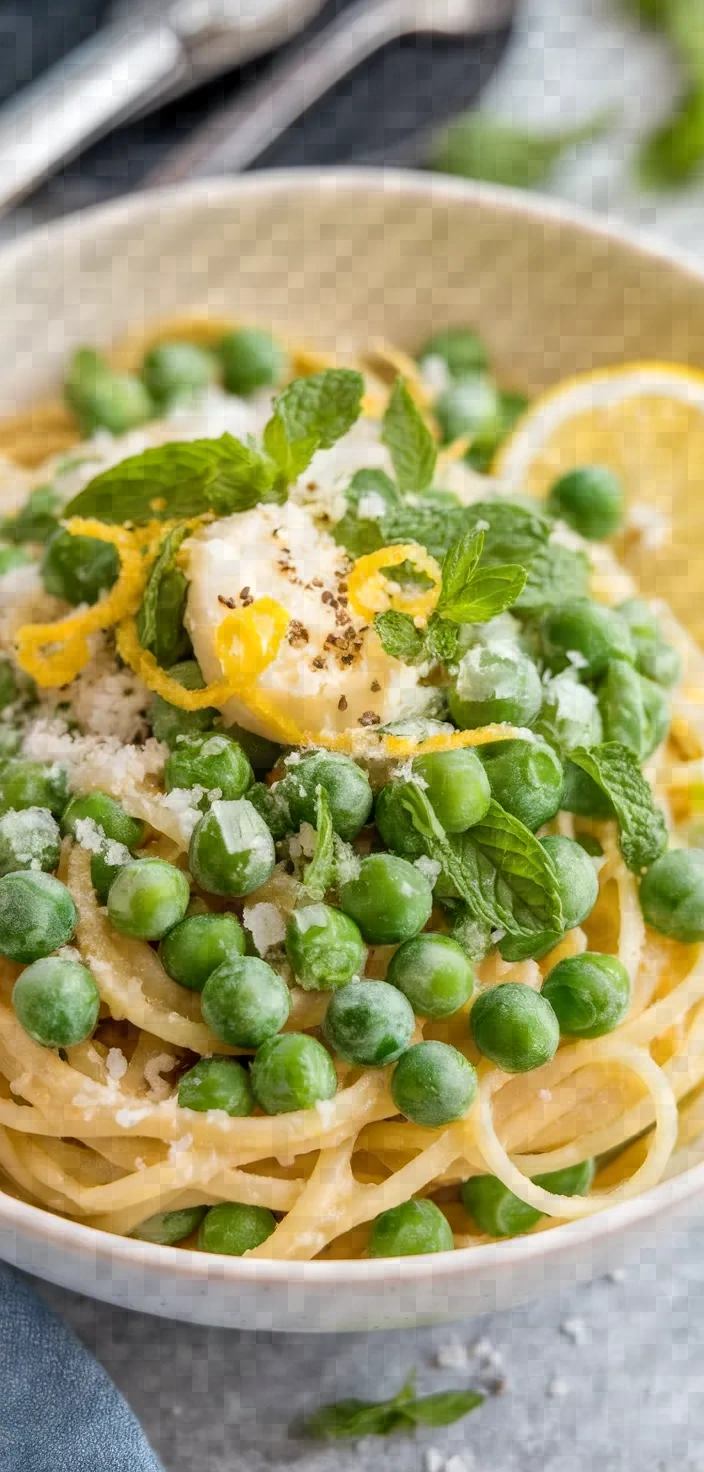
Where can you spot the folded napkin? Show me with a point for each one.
(59, 1410)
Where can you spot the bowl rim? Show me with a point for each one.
(72, 1237)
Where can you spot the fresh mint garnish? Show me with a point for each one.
(399, 636)
(350, 1419)
(409, 441)
(555, 574)
(180, 480)
(318, 874)
(476, 146)
(471, 594)
(160, 618)
(322, 407)
(616, 770)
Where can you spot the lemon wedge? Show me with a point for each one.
(646, 422)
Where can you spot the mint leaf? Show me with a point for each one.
(399, 636)
(291, 456)
(408, 440)
(322, 407)
(317, 875)
(555, 574)
(355, 1418)
(441, 640)
(160, 618)
(471, 594)
(616, 770)
(459, 565)
(512, 533)
(444, 1408)
(476, 146)
(674, 153)
(179, 480)
(498, 867)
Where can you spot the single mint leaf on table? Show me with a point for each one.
(498, 867)
(476, 146)
(409, 441)
(616, 770)
(399, 636)
(318, 874)
(160, 618)
(180, 480)
(349, 1419)
(323, 407)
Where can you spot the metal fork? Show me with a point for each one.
(239, 133)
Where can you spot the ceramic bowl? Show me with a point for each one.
(337, 259)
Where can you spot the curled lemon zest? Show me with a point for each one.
(136, 551)
(383, 745)
(368, 589)
(143, 663)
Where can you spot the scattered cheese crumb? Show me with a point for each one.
(576, 1330)
(558, 1388)
(452, 1356)
(577, 659)
(153, 1069)
(371, 506)
(545, 1095)
(497, 935)
(266, 925)
(488, 1354)
(463, 1463)
(125, 1118)
(115, 1065)
(429, 867)
(434, 1460)
(651, 526)
(302, 845)
(180, 1147)
(617, 1275)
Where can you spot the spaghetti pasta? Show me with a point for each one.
(93, 1128)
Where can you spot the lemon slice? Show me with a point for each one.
(645, 421)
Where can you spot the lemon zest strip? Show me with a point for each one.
(136, 551)
(367, 582)
(385, 746)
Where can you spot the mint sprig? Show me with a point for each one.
(351, 1419)
(160, 618)
(409, 441)
(318, 874)
(616, 770)
(498, 867)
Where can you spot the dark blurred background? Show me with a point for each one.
(374, 116)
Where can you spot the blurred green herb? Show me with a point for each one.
(355, 1418)
(674, 152)
(476, 146)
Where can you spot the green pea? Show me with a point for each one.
(347, 787)
(26, 784)
(56, 1002)
(470, 405)
(101, 399)
(272, 807)
(169, 1227)
(198, 945)
(324, 947)
(660, 662)
(102, 810)
(433, 1084)
(495, 684)
(672, 895)
(588, 630)
(251, 359)
(244, 1002)
(103, 875)
(583, 796)
(395, 824)
(29, 839)
(216, 1083)
(634, 710)
(37, 915)
(499, 1213)
(515, 1027)
(456, 786)
(641, 619)
(409, 1229)
(579, 889)
(78, 569)
(369, 1023)
(233, 1228)
(176, 371)
(37, 519)
(215, 763)
(170, 724)
(292, 1071)
(589, 994)
(460, 348)
(525, 778)
(390, 900)
(434, 974)
(147, 898)
(486, 442)
(12, 557)
(591, 500)
(262, 754)
(231, 850)
(570, 714)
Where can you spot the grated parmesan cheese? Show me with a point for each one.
(153, 1069)
(265, 924)
(115, 1065)
(431, 868)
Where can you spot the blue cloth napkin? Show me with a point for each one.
(59, 1410)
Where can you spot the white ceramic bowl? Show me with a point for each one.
(340, 258)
